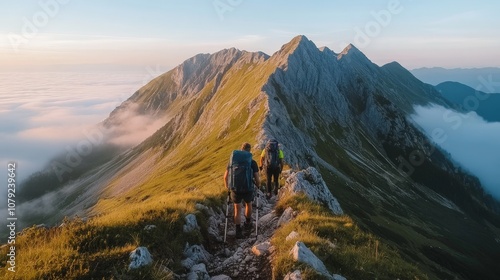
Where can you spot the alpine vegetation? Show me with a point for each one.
(361, 193)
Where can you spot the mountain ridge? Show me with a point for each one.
(483, 79)
(340, 113)
(469, 99)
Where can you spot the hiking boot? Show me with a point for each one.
(247, 225)
(239, 233)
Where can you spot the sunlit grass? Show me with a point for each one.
(189, 171)
(343, 247)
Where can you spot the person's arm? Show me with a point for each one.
(225, 179)
(256, 178)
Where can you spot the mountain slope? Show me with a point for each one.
(478, 78)
(340, 113)
(468, 99)
(385, 171)
(347, 116)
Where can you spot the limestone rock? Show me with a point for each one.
(301, 253)
(197, 253)
(191, 223)
(292, 235)
(149, 227)
(140, 257)
(296, 275)
(262, 248)
(198, 272)
(311, 183)
(221, 277)
(287, 216)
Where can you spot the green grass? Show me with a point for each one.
(189, 171)
(342, 246)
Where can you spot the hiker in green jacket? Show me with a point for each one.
(271, 160)
(245, 193)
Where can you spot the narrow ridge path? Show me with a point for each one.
(236, 258)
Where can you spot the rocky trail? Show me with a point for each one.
(249, 257)
(245, 258)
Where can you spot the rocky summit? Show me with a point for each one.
(365, 194)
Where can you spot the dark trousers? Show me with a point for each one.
(273, 174)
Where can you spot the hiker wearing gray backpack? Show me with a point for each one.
(240, 176)
(271, 160)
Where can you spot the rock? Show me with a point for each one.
(213, 229)
(187, 263)
(221, 277)
(303, 254)
(262, 248)
(311, 183)
(149, 227)
(197, 253)
(267, 219)
(140, 257)
(296, 275)
(191, 223)
(247, 259)
(338, 277)
(198, 272)
(286, 217)
(292, 235)
(201, 207)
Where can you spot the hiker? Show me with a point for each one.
(271, 160)
(240, 176)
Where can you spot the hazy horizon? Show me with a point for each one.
(58, 33)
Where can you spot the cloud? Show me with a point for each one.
(472, 142)
(42, 113)
(132, 128)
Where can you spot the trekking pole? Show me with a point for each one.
(257, 214)
(227, 213)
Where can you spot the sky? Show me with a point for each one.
(66, 64)
(126, 34)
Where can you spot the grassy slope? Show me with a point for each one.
(425, 232)
(190, 171)
(187, 173)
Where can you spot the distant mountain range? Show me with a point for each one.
(482, 79)
(337, 112)
(486, 105)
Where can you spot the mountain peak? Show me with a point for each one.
(350, 50)
(299, 39)
(327, 50)
(353, 56)
(298, 42)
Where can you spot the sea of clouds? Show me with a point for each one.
(473, 142)
(46, 114)
(42, 114)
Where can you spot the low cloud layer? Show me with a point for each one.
(59, 114)
(133, 127)
(43, 113)
(472, 142)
